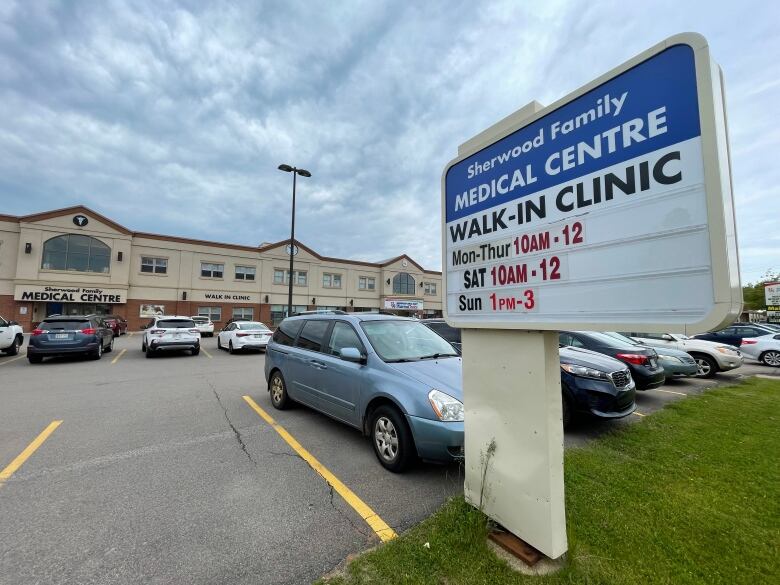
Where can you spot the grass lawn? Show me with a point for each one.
(690, 494)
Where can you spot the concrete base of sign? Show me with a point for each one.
(514, 433)
(545, 566)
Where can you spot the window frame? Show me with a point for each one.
(367, 283)
(401, 284)
(211, 313)
(430, 288)
(243, 275)
(155, 265)
(326, 343)
(325, 335)
(332, 277)
(212, 271)
(66, 252)
(243, 316)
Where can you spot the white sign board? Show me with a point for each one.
(69, 294)
(772, 294)
(404, 304)
(610, 209)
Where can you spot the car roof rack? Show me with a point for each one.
(321, 312)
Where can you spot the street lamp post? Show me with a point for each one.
(304, 173)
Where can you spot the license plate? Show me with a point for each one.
(259, 336)
(61, 336)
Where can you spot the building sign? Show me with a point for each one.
(772, 294)
(404, 304)
(611, 207)
(69, 294)
(80, 220)
(225, 296)
(151, 310)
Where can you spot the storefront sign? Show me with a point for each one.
(404, 304)
(70, 294)
(225, 297)
(578, 219)
(152, 310)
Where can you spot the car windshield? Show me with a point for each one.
(405, 341)
(175, 323)
(607, 340)
(252, 325)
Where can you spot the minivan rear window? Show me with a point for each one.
(64, 325)
(285, 334)
(312, 335)
(176, 323)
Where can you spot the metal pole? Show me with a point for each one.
(292, 249)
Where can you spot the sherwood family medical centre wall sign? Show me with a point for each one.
(610, 208)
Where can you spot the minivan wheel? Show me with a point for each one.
(707, 367)
(392, 439)
(278, 390)
(771, 358)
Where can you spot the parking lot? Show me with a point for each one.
(161, 471)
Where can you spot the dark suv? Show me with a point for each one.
(67, 335)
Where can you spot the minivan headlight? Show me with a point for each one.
(584, 372)
(447, 408)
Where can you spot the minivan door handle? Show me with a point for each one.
(319, 365)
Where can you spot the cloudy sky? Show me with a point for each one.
(172, 117)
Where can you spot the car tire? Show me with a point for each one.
(98, 353)
(277, 388)
(110, 347)
(231, 351)
(567, 411)
(770, 358)
(34, 359)
(392, 439)
(219, 342)
(149, 352)
(707, 366)
(195, 350)
(14, 349)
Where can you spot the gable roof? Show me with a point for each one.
(82, 209)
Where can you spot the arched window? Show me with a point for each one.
(403, 284)
(76, 252)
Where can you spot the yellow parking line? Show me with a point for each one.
(25, 455)
(207, 353)
(639, 413)
(382, 530)
(116, 359)
(21, 357)
(672, 392)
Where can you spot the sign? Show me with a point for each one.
(772, 295)
(69, 294)
(404, 304)
(225, 296)
(610, 209)
(151, 310)
(80, 220)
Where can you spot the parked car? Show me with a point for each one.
(171, 333)
(642, 361)
(595, 384)
(734, 334)
(391, 377)
(765, 349)
(440, 326)
(117, 324)
(204, 325)
(11, 337)
(711, 357)
(68, 335)
(243, 335)
(675, 362)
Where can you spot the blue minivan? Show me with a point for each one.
(391, 377)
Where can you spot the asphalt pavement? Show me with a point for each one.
(160, 472)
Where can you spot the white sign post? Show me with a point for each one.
(610, 209)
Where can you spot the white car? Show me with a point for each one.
(711, 357)
(171, 332)
(244, 335)
(765, 349)
(204, 325)
(11, 337)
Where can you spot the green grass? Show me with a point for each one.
(690, 494)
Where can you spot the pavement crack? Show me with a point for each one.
(236, 432)
(341, 513)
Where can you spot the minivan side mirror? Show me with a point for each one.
(351, 354)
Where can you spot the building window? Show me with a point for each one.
(76, 252)
(279, 312)
(213, 313)
(366, 283)
(330, 280)
(430, 288)
(281, 276)
(403, 284)
(243, 313)
(245, 272)
(210, 270)
(154, 265)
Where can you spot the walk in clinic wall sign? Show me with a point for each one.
(611, 209)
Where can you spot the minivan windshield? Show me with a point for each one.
(405, 341)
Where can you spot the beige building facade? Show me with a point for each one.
(76, 261)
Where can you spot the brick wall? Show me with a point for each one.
(10, 309)
(261, 312)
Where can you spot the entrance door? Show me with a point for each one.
(53, 309)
